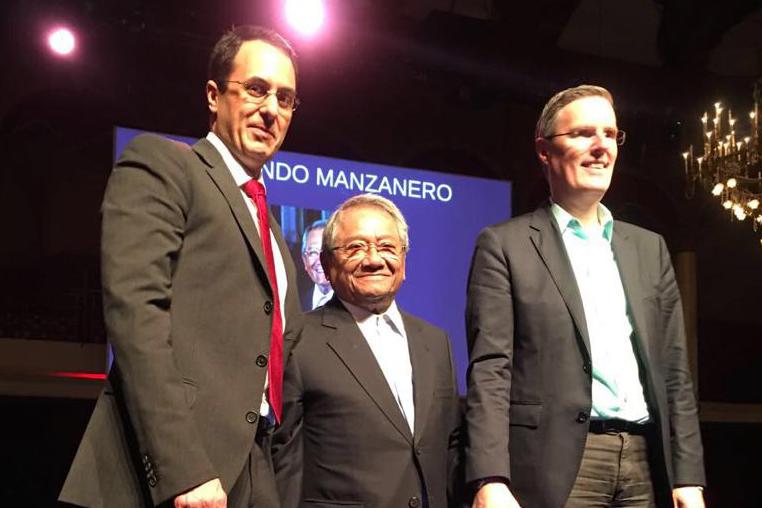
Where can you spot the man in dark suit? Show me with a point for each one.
(319, 291)
(196, 295)
(579, 392)
(370, 399)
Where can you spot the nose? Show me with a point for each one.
(268, 108)
(372, 257)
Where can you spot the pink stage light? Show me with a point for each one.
(61, 41)
(305, 16)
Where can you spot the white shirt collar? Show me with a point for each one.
(361, 316)
(240, 175)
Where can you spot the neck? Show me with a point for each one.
(586, 211)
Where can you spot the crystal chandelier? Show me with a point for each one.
(729, 164)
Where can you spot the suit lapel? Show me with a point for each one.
(423, 374)
(222, 178)
(352, 349)
(546, 238)
(626, 256)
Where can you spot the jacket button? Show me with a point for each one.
(261, 361)
(252, 417)
(268, 307)
(152, 481)
(586, 368)
(581, 417)
(414, 502)
(418, 451)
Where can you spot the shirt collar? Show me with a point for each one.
(362, 316)
(565, 221)
(240, 175)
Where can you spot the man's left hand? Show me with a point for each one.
(688, 497)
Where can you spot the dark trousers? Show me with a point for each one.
(615, 472)
(255, 487)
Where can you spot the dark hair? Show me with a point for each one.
(318, 224)
(224, 52)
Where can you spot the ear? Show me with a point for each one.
(326, 258)
(212, 96)
(541, 148)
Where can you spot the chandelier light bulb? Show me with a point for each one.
(718, 188)
(740, 214)
(727, 204)
(732, 183)
(753, 204)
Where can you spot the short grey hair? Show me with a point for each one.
(366, 200)
(547, 120)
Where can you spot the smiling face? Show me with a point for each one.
(311, 259)
(579, 163)
(369, 279)
(253, 130)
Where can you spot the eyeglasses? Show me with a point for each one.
(259, 90)
(359, 249)
(311, 254)
(589, 133)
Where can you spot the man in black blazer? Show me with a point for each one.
(319, 291)
(193, 304)
(579, 392)
(371, 407)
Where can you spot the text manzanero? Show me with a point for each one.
(360, 182)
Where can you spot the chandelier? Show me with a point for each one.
(729, 163)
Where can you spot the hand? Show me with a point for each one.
(494, 495)
(688, 497)
(206, 495)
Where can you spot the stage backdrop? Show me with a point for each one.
(445, 213)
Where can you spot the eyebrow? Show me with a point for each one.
(263, 80)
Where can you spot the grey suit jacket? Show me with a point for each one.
(344, 441)
(188, 309)
(530, 384)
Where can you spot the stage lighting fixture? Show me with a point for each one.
(61, 41)
(305, 16)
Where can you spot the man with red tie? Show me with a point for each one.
(199, 297)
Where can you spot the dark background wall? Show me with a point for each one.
(453, 86)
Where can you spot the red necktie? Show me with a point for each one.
(256, 191)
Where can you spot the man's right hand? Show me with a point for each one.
(206, 495)
(494, 495)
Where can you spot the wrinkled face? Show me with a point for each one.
(311, 257)
(253, 129)
(581, 161)
(368, 265)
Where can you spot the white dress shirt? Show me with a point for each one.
(385, 334)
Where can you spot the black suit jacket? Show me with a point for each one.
(344, 441)
(188, 308)
(530, 381)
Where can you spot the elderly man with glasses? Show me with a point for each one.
(370, 399)
(579, 392)
(319, 291)
(199, 296)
